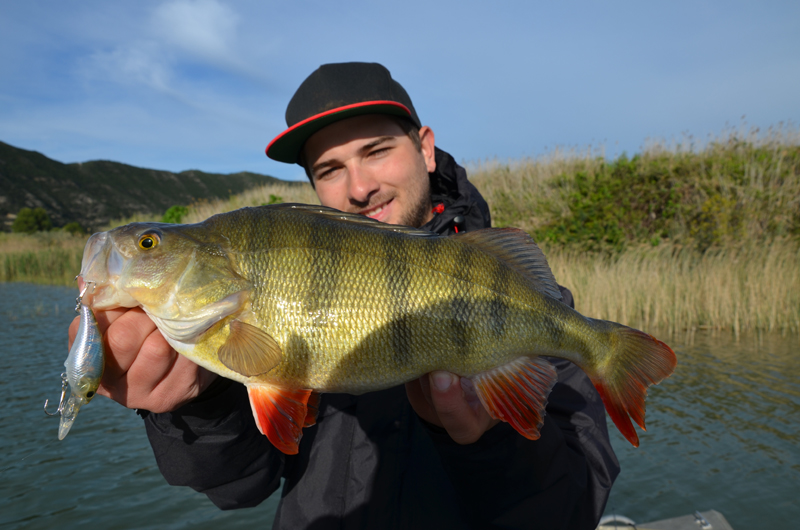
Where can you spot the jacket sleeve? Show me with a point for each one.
(213, 446)
(561, 480)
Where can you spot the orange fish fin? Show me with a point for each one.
(312, 409)
(517, 393)
(638, 361)
(249, 350)
(281, 413)
(520, 252)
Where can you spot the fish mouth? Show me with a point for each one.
(101, 267)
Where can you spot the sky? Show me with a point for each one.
(204, 84)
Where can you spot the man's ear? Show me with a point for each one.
(426, 140)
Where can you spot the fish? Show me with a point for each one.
(297, 300)
(84, 368)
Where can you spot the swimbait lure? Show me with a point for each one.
(84, 369)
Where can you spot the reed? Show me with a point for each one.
(677, 289)
(54, 266)
(268, 194)
(680, 237)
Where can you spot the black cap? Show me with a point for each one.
(334, 92)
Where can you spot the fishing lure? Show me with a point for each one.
(84, 368)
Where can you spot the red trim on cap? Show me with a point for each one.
(334, 111)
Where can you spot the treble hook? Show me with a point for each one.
(61, 402)
(83, 292)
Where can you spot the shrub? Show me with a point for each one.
(74, 228)
(175, 214)
(32, 220)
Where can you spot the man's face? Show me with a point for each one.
(368, 165)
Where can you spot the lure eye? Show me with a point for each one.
(148, 241)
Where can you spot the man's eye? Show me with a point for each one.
(325, 174)
(379, 152)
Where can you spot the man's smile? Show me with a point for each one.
(378, 212)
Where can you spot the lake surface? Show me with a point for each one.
(723, 434)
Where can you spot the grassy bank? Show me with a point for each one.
(738, 188)
(44, 257)
(748, 288)
(674, 238)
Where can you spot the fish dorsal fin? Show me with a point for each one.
(363, 220)
(281, 413)
(517, 393)
(520, 252)
(249, 350)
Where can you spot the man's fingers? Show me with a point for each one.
(125, 336)
(456, 409)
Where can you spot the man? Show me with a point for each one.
(426, 455)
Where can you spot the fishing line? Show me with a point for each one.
(28, 455)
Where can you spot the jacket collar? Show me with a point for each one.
(463, 208)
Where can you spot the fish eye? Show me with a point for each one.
(89, 394)
(148, 241)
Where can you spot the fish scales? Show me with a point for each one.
(339, 303)
(393, 289)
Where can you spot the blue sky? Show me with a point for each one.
(203, 84)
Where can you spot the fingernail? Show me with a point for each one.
(442, 380)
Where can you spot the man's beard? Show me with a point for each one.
(418, 200)
(420, 208)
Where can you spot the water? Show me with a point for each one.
(103, 473)
(723, 433)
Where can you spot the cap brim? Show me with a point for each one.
(287, 145)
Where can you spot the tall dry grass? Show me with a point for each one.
(748, 282)
(742, 184)
(302, 193)
(744, 289)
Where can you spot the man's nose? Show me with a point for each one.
(362, 184)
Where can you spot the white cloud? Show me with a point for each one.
(142, 63)
(202, 34)
(204, 28)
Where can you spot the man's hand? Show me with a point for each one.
(142, 370)
(449, 401)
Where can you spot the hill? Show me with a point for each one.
(93, 193)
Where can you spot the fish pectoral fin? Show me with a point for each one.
(281, 413)
(520, 252)
(517, 393)
(249, 350)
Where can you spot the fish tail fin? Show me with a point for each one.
(517, 393)
(638, 360)
(281, 413)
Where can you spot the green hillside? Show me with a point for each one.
(94, 193)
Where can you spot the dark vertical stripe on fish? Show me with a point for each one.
(498, 307)
(398, 280)
(325, 246)
(460, 317)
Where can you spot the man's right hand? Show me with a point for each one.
(142, 370)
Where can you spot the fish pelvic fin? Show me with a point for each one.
(520, 252)
(249, 350)
(281, 413)
(638, 361)
(517, 393)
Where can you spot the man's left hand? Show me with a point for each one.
(449, 401)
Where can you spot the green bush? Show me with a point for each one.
(32, 220)
(175, 214)
(74, 228)
(273, 199)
